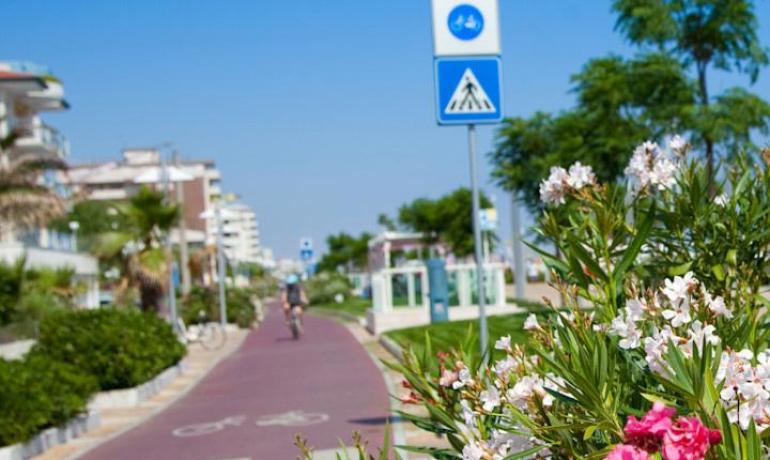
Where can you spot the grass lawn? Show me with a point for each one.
(445, 336)
(354, 306)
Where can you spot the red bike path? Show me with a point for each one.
(326, 374)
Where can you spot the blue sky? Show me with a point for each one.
(319, 113)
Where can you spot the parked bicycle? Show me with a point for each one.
(211, 335)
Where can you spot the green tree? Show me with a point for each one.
(135, 246)
(446, 219)
(660, 91)
(346, 251)
(703, 34)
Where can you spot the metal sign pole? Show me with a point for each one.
(483, 340)
(518, 249)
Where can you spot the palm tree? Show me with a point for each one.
(136, 245)
(25, 201)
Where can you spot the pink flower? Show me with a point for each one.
(649, 431)
(627, 452)
(688, 439)
(448, 378)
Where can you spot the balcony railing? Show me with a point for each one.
(42, 136)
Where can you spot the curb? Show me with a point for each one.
(392, 347)
(132, 397)
(399, 438)
(340, 314)
(52, 437)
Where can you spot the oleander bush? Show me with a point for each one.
(240, 306)
(662, 351)
(39, 392)
(324, 287)
(120, 347)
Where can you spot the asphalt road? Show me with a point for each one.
(251, 405)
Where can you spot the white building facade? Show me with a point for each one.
(26, 92)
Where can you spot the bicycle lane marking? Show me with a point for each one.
(199, 429)
(289, 418)
(293, 418)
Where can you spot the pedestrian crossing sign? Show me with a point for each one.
(468, 90)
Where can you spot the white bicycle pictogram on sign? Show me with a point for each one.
(293, 418)
(200, 429)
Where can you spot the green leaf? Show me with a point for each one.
(679, 270)
(642, 233)
(525, 453)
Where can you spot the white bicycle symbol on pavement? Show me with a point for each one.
(293, 418)
(290, 418)
(199, 429)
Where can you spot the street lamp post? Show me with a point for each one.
(221, 265)
(74, 226)
(169, 250)
(184, 259)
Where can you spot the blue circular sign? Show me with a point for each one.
(465, 22)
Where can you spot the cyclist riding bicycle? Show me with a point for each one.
(293, 300)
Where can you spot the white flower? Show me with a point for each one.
(649, 167)
(678, 289)
(717, 305)
(490, 399)
(639, 167)
(678, 315)
(523, 390)
(721, 200)
(632, 340)
(580, 176)
(678, 145)
(501, 443)
(473, 451)
(656, 346)
(531, 322)
(464, 379)
(553, 189)
(700, 334)
(624, 326)
(504, 366)
(635, 309)
(503, 343)
(468, 414)
(663, 173)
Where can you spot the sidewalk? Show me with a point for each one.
(117, 421)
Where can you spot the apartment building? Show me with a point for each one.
(27, 91)
(120, 179)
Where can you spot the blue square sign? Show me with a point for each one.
(468, 90)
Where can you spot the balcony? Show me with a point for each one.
(41, 139)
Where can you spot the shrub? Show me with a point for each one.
(240, 309)
(122, 348)
(324, 287)
(39, 392)
(664, 277)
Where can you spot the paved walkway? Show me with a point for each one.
(250, 406)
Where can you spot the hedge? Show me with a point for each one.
(37, 393)
(122, 348)
(240, 309)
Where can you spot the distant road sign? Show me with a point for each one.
(488, 219)
(465, 27)
(468, 90)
